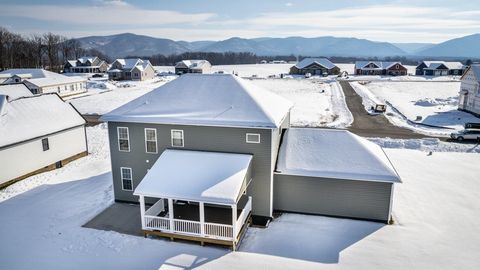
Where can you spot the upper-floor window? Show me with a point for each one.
(177, 138)
(123, 139)
(253, 138)
(151, 140)
(126, 175)
(45, 145)
(397, 66)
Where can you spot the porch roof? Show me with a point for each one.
(196, 176)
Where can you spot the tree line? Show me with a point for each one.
(49, 51)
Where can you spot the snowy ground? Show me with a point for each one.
(434, 102)
(435, 208)
(316, 102)
(104, 96)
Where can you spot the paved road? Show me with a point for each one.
(367, 125)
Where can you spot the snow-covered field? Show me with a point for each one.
(102, 96)
(435, 208)
(435, 102)
(316, 102)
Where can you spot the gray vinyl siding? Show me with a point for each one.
(203, 138)
(333, 197)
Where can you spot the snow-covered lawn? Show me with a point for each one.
(317, 102)
(435, 102)
(102, 97)
(435, 208)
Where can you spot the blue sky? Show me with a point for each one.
(392, 21)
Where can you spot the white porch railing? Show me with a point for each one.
(242, 218)
(188, 227)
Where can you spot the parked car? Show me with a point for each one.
(308, 75)
(96, 75)
(467, 134)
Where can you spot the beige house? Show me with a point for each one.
(192, 66)
(469, 99)
(41, 81)
(37, 134)
(131, 69)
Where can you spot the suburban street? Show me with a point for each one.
(368, 125)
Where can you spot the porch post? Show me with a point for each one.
(234, 221)
(202, 219)
(170, 214)
(142, 210)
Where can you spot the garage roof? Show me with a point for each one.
(337, 154)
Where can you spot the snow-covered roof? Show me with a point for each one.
(30, 117)
(73, 63)
(320, 61)
(84, 59)
(476, 71)
(130, 63)
(194, 64)
(336, 154)
(207, 100)
(380, 64)
(210, 176)
(449, 65)
(33, 73)
(42, 82)
(14, 91)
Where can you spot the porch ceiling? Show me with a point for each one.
(196, 176)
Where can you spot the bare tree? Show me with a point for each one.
(52, 46)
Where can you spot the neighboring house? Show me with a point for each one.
(13, 91)
(131, 69)
(41, 81)
(192, 66)
(315, 66)
(469, 99)
(38, 133)
(86, 64)
(439, 68)
(380, 68)
(199, 154)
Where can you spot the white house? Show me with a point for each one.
(192, 66)
(469, 99)
(131, 69)
(41, 81)
(38, 133)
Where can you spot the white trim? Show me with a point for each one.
(171, 137)
(131, 177)
(146, 140)
(118, 139)
(390, 206)
(252, 134)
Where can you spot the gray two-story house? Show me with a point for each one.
(204, 153)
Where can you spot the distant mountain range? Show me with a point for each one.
(122, 45)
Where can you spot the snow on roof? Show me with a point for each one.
(130, 63)
(31, 117)
(42, 82)
(336, 154)
(33, 73)
(380, 64)
(208, 100)
(320, 61)
(73, 63)
(14, 91)
(210, 177)
(84, 59)
(449, 65)
(194, 64)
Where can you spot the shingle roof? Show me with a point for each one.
(320, 61)
(208, 100)
(449, 65)
(380, 64)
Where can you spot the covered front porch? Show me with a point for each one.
(204, 201)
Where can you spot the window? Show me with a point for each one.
(177, 138)
(45, 144)
(397, 66)
(123, 139)
(126, 174)
(151, 140)
(253, 138)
